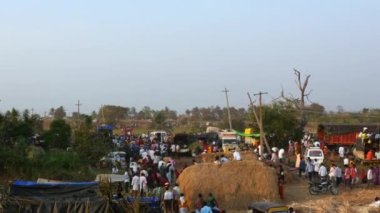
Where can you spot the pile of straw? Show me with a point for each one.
(235, 184)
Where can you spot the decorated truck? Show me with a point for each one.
(363, 140)
(229, 140)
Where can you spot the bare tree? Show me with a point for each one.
(304, 94)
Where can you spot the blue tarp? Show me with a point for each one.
(62, 189)
(32, 183)
(105, 127)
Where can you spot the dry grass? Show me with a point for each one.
(356, 201)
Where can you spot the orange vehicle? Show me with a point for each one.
(335, 135)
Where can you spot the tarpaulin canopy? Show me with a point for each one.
(28, 196)
(62, 189)
(255, 135)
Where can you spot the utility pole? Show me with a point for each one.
(228, 108)
(78, 115)
(260, 94)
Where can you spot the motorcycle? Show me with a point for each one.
(322, 187)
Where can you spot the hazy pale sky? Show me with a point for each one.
(181, 54)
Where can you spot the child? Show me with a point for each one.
(281, 188)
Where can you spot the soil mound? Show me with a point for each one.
(235, 184)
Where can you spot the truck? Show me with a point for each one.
(229, 140)
(348, 135)
(335, 135)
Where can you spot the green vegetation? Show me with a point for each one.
(72, 153)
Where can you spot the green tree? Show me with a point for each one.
(113, 114)
(89, 146)
(159, 121)
(59, 135)
(59, 113)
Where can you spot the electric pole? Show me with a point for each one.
(228, 108)
(260, 94)
(78, 115)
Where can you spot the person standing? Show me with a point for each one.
(347, 176)
(199, 203)
(302, 167)
(281, 174)
(183, 205)
(126, 181)
(316, 167)
(322, 172)
(281, 155)
(176, 195)
(168, 199)
(135, 184)
(211, 202)
(346, 161)
(370, 176)
(310, 168)
(143, 184)
(376, 178)
(274, 158)
(236, 155)
(281, 189)
(298, 161)
(341, 152)
(338, 173)
(353, 173)
(332, 173)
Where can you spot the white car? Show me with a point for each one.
(315, 153)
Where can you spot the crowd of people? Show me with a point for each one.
(153, 170)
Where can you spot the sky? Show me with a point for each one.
(182, 54)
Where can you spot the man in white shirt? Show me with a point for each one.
(332, 173)
(135, 184)
(168, 199)
(346, 161)
(322, 171)
(370, 176)
(143, 184)
(236, 155)
(341, 152)
(274, 157)
(281, 155)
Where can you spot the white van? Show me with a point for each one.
(161, 136)
(315, 153)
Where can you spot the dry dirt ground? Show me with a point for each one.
(355, 200)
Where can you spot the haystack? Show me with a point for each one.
(235, 184)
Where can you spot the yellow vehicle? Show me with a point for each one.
(267, 207)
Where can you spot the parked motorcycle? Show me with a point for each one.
(322, 187)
